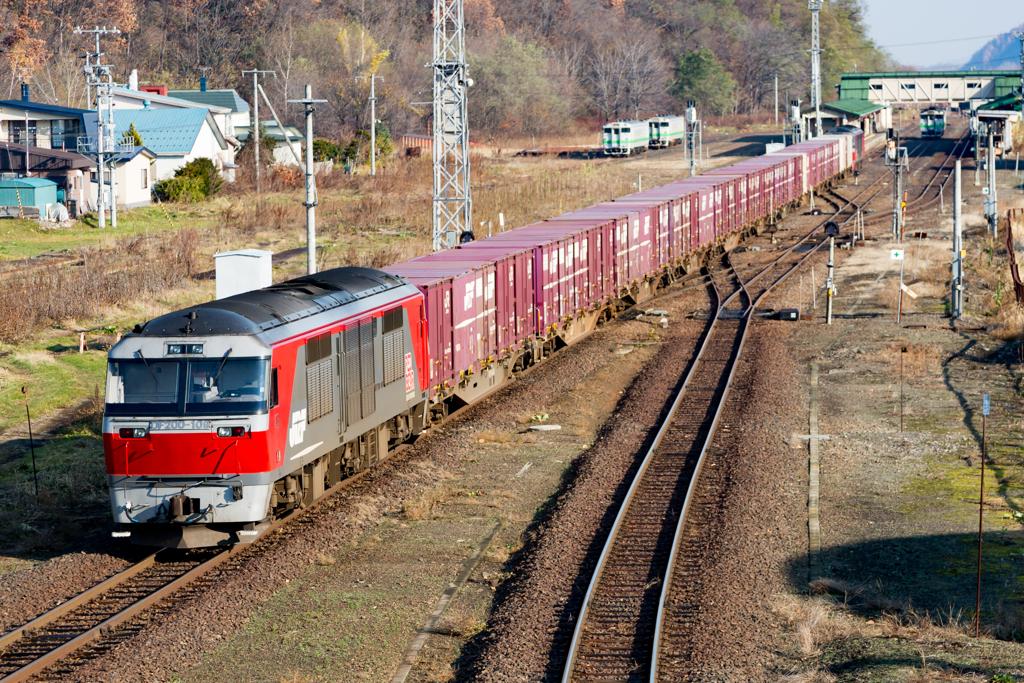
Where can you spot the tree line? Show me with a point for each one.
(539, 66)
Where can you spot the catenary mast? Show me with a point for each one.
(452, 205)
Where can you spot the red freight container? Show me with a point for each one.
(513, 298)
(455, 296)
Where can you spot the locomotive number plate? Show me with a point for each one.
(179, 425)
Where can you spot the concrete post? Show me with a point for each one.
(310, 190)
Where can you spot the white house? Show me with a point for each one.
(126, 98)
(176, 137)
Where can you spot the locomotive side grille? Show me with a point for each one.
(352, 384)
(394, 366)
(319, 390)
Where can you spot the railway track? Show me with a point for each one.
(637, 610)
(88, 625)
(615, 629)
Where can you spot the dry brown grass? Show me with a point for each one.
(131, 269)
(1009, 323)
(492, 436)
(920, 360)
(460, 623)
(424, 506)
(811, 676)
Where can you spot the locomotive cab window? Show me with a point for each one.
(141, 385)
(218, 386)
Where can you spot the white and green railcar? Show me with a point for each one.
(625, 138)
(667, 131)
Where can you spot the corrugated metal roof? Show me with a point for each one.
(229, 99)
(851, 107)
(28, 182)
(163, 131)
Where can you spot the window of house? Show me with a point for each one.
(145, 178)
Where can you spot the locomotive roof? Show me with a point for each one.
(264, 309)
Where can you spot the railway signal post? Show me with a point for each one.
(831, 229)
(896, 159)
(991, 210)
(307, 102)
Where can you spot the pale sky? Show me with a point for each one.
(893, 25)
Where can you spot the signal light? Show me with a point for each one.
(132, 433)
(227, 432)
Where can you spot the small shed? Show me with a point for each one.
(25, 192)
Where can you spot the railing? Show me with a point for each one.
(67, 141)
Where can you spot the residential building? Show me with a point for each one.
(176, 136)
(126, 98)
(281, 139)
(224, 99)
(47, 126)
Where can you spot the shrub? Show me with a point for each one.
(204, 170)
(325, 150)
(181, 189)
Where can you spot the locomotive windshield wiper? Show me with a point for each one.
(155, 380)
(217, 376)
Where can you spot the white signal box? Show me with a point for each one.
(243, 271)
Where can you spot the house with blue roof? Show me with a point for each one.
(176, 137)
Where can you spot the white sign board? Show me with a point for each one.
(984, 404)
(984, 190)
(908, 291)
(897, 254)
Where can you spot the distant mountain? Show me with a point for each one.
(1002, 52)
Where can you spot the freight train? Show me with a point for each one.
(222, 416)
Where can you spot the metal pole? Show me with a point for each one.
(310, 201)
(903, 350)
(899, 307)
(776, 99)
(373, 127)
(981, 510)
(993, 214)
(113, 158)
(254, 129)
(957, 295)
(307, 102)
(31, 443)
(831, 286)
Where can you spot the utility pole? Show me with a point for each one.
(307, 102)
(90, 69)
(957, 294)
(815, 7)
(94, 73)
(452, 201)
(776, 99)
(255, 129)
(373, 121)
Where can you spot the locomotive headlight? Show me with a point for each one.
(132, 433)
(227, 432)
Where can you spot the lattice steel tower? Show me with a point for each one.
(815, 7)
(452, 205)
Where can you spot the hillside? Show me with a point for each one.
(1002, 52)
(540, 66)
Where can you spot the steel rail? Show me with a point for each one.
(130, 612)
(649, 458)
